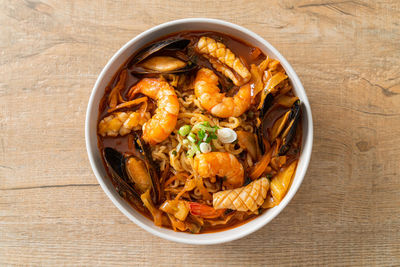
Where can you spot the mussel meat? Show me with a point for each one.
(135, 173)
(284, 127)
(172, 60)
(116, 163)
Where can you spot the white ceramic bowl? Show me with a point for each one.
(111, 68)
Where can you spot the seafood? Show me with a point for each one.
(122, 123)
(163, 122)
(217, 50)
(284, 128)
(246, 198)
(136, 171)
(222, 164)
(190, 125)
(163, 64)
(148, 62)
(204, 211)
(207, 91)
(288, 134)
(224, 70)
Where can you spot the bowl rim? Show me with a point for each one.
(306, 149)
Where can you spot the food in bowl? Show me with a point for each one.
(200, 131)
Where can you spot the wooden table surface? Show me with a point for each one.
(52, 209)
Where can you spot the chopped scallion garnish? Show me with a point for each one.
(192, 138)
(184, 130)
(201, 134)
(190, 153)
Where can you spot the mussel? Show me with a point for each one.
(165, 57)
(284, 127)
(268, 101)
(134, 173)
(290, 131)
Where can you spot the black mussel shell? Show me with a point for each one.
(268, 101)
(145, 152)
(293, 119)
(115, 160)
(260, 139)
(116, 163)
(170, 44)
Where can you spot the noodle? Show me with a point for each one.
(191, 113)
(182, 155)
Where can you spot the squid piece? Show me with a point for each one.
(223, 69)
(122, 123)
(245, 198)
(216, 50)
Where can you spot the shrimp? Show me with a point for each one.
(163, 122)
(207, 91)
(245, 198)
(122, 123)
(204, 211)
(221, 164)
(212, 49)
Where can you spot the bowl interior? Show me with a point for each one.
(113, 65)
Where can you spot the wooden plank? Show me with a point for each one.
(52, 210)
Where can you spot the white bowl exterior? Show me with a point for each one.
(114, 64)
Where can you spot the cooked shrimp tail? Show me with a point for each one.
(204, 211)
(163, 122)
(208, 93)
(222, 164)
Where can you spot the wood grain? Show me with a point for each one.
(347, 212)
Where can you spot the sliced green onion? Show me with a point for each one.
(178, 148)
(190, 153)
(205, 137)
(185, 141)
(205, 148)
(226, 135)
(196, 148)
(201, 133)
(213, 136)
(184, 130)
(207, 128)
(192, 138)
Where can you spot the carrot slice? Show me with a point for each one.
(260, 167)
